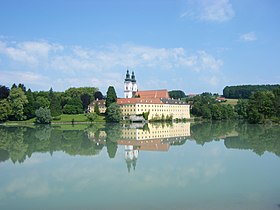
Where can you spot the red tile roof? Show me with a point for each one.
(139, 101)
(152, 94)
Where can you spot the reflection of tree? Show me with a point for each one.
(258, 138)
(113, 132)
(17, 143)
(210, 131)
(4, 155)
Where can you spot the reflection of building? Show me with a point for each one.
(156, 102)
(148, 137)
(153, 137)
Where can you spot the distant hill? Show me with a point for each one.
(245, 91)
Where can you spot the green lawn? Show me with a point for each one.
(77, 118)
(230, 101)
(64, 118)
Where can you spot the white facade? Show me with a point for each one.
(128, 89)
(130, 86)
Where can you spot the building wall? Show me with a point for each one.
(157, 110)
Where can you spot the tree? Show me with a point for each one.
(5, 110)
(111, 96)
(96, 108)
(276, 93)
(85, 98)
(29, 108)
(74, 106)
(4, 92)
(17, 100)
(55, 106)
(92, 117)
(241, 108)
(176, 94)
(43, 116)
(114, 113)
(98, 95)
(41, 101)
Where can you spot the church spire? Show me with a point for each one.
(133, 77)
(127, 76)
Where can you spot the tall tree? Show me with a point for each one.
(114, 113)
(111, 96)
(4, 92)
(5, 110)
(85, 98)
(98, 95)
(29, 108)
(17, 100)
(55, 106)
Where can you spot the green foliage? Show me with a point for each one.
(241, 108)
(207, 107)
(146, 115)
(176, 94)
(55, 106)
(29, 108)
(41, 101)
(114, 113)
(43, 116)
(245, 91)
(78, 92)
(4, 92)
(17, 100)
(96, 108)
(5, 110)
(85, 98)
(92, 116)
(98, 95)
(111, 96)
(73, 106)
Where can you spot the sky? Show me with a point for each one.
(191, 45)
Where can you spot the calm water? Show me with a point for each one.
(161, 166)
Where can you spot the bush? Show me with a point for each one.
(43, 116)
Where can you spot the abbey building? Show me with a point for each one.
(156, 103)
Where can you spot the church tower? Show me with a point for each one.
(134, 85)
(130, 86)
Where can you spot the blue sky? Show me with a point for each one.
(191, 45)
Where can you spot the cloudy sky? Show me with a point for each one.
(192, 45)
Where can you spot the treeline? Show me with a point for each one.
(206, 106)
(261, 107)
(245, 91)
(177, 94)
(18, 103)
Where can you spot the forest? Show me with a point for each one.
(245, 91)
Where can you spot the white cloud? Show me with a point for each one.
(58, 66)
(22, 77)
(30, 52)
(248, 37)
(209, 10)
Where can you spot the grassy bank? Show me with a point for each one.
(64, 118)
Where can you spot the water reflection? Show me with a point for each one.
(18, 143)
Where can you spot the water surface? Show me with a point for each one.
(228, 165)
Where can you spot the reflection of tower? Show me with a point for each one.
(130, 155)
(130, 86)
